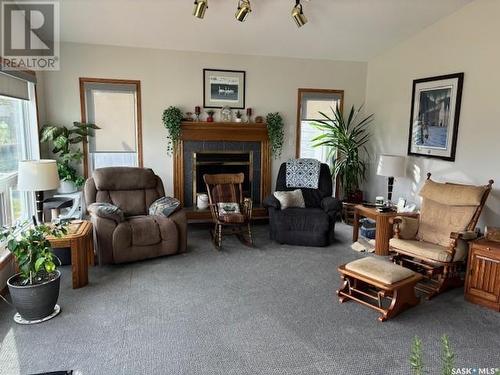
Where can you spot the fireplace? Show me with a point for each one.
(215, 162)
(221, 148)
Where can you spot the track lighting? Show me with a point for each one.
(243, 10)
(298, 14)
(200, 6)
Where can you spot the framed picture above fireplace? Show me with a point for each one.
(223, 88)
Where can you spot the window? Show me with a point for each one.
(310, 103)
(18, 141)
(114, 106)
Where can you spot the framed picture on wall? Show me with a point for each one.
(223, 88)
(435, 114)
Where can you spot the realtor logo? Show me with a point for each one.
(30, 35)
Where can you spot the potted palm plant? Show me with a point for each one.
(64, 141)
(345, 139)
(35, 289)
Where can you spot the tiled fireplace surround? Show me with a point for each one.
(222, 137)
(191, 147)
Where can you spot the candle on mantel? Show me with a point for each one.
(249, 115)
(197, 112)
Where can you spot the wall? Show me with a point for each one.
(175, 78)
(466, 41)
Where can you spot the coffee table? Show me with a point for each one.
(80, 240)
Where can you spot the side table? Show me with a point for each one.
(482, 282)
(384, 229)
(80, 240)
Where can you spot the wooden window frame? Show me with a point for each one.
(300, 93)
(137, 83)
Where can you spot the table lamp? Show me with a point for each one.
(38, 176)
(391, 166)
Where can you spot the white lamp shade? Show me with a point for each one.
(391, 166)
(37, 175)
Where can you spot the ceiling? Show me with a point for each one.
(338, 29)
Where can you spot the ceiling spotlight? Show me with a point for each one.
(243, 10)
(200, 6)
(298, 14)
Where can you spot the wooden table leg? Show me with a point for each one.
(382, 235)
(79, 262)
(355, 226)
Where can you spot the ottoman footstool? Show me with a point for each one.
(380, 285)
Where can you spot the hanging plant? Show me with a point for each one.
(275, 132)
(172, 119)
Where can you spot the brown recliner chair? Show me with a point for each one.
(138, 235)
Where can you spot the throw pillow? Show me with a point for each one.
(292, 198)
(228, 208)
(107, 211)
(164, 206)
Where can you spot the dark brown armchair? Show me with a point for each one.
(132, 234)
(228, 188)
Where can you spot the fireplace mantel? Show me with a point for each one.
(224, 132)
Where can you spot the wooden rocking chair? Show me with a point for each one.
(223, 189)
(435, 243)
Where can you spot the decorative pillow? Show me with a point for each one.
(164, 206)
(228, 208)
(292, 198)
(107, 211)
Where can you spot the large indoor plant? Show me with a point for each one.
(35, 289)
(65, 146)
(345, 139)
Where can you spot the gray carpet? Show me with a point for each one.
(268, 310)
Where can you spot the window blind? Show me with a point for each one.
(13, 87)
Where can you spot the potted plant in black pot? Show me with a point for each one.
(35, 289)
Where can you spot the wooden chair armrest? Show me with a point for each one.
(466, 235)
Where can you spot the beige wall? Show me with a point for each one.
(467, 41)
(175, 78)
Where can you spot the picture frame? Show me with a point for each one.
(435, 116)
(223, 88)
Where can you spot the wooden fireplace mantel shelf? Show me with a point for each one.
(222, 131)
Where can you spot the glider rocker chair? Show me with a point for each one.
(228, 207)
(435, 243)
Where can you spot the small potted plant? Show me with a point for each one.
(64, 141)
(35, 289)
(210, 117)
(238, 115)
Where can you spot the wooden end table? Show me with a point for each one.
(384, 229)
(482, 283)
(80, 240)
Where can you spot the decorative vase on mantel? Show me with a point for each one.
(210, 117)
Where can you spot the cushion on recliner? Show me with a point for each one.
(290, 199)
